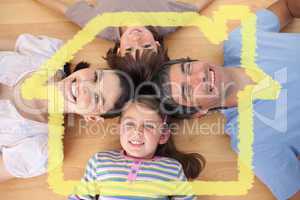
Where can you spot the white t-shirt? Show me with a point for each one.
(23, 142)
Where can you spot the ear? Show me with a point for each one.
(157, 43)
(200, 113)
(164, 137)
(93, 118)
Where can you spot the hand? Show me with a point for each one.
(57, 5)
(202, 4)
(90, 2)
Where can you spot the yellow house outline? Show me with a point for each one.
(215, 29)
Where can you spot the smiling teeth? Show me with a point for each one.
(136, 142)
(73, 89)
(212, 78)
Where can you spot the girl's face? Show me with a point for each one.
(90, 92)
(137, 38)
(140, 131)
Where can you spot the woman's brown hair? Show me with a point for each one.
(192, 163)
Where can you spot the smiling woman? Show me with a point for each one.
(84, 92)
(23, 123)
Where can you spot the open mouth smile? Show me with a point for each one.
(136, 143)
(211, 79)
(72, 91)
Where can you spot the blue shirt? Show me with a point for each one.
(276, 122)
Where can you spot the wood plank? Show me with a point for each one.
(83, 140)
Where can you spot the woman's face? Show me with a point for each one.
(90, 92)
(140, 131)
(137, 38)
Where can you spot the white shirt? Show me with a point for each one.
(23, 142)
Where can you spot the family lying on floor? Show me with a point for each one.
(188, 88)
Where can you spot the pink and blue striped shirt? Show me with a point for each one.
(117, 166)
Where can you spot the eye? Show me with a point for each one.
(185, 68)
(147, 46)
(96, 96)
(188, 68)
(128, 50)
(149, 126)
(165, 128)
(95, 77)
(129, 125)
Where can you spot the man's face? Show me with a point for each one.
(197, 84)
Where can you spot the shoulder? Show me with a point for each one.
(167, 161)
(107, 155)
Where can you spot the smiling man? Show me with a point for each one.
(193, 88)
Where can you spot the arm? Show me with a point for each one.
(4, 175)
(57, 5)
(202, 4)
(281, 9)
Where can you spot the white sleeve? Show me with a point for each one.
(37, 45)
(27, 159)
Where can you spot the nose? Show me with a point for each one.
(140, 129)
(136, 36)
(136, 41)
(138, 133)
(199, 81)
(85, 91)
(198, 78)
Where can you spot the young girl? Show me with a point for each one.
(127, 39)
(23, 123)
(148, 154)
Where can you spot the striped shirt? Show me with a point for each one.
(116, 166)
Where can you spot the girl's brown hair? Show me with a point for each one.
(192, 163)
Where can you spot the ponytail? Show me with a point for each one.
(192, 163)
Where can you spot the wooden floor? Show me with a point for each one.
(83, 140)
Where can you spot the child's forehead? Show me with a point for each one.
(136, 109)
